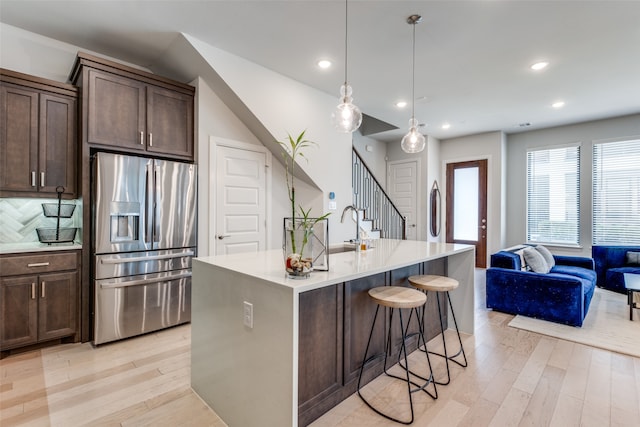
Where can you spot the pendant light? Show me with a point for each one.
(413, 141)
(346, 117)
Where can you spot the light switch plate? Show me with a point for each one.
(248, 314)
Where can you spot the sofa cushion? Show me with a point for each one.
(633, 258)
(583, 273)
(535, 260)
(615, 277)
(547, 255)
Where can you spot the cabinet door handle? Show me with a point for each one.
(41, 179)
(38, 264)
(141, 138)
(150, 139)
(33, 290)
(33, 178)
(43, 285)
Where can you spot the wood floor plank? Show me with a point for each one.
(480, 414)
(567, 412)
(512, 408)
(543, 401)
(532, 370)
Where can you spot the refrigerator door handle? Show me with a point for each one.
(152, 280)
(148, 205)
(156, 208)
(145, 258)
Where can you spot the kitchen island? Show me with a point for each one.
(270, 350)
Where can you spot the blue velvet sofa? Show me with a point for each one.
(562, 295)
(611, 264)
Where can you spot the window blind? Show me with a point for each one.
(553, 195)
(616, 192)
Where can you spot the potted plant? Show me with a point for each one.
(298, 229)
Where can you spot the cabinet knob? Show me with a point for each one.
(141, 138)
(42, 288)
(150, 139)
(41, 179)
(33, 290)
(33, 178)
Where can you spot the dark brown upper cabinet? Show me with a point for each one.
(126, 109)
(38, 137)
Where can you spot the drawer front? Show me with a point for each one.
(38, 263)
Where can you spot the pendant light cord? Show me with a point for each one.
(346, 35)
(413, 75)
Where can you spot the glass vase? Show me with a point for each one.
(297, 246)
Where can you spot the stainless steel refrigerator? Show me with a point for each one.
(144, 237)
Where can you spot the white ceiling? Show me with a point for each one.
(472, 64)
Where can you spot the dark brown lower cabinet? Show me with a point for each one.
(334, 327)
(38, 307)
(320, 365)
(19, 311)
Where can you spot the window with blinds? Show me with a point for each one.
(616, 192)
(553, 195)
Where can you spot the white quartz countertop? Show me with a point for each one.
(14, 248)
(386, 255)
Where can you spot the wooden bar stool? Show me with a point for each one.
(398, 297)
(444, 284)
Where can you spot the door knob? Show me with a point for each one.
(222, 236)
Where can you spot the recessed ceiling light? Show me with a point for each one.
(558, 104)
(539, 66)
(446, 126)
(324, 63)
(401, 104)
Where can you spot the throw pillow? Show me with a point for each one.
(523, 263)
(633, 258)
(547, 255)
(535, 260)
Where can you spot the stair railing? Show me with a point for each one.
(369, 195)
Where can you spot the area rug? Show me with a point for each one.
(606, 326)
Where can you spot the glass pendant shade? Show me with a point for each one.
(346, 117)
(413, 141)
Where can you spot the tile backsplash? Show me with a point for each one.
(19, 219)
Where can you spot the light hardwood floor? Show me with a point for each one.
(514, 378)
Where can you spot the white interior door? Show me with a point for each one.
(241, 208)
(403, 191)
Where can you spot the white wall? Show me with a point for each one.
(585, 133)
(433, 174)
(283, 106)
(482, 146)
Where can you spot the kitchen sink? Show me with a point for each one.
(345, 247)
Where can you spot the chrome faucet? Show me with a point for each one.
(356, 210)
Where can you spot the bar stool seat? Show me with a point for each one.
(434, 283)
(398, 297)
(430, 282)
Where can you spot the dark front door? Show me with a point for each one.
(467, 206)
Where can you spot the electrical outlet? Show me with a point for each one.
(248, 314)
